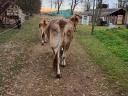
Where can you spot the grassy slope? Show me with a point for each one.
(112, 65)
(13, 57)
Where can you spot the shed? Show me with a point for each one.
(115, 15)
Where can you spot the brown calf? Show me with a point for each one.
(43, 26)
(60, 34)
(76, 18)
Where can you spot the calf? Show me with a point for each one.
(60, 34)
(76, 18)
(43, 26)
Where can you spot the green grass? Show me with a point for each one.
(6, 36)
(19, 42)
(113, 42)
(121, 33)
(110, 53)
(26, 34)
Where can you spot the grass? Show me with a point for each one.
(110, 52)
(6, 36)
(13, 49)
(113, 42)
(26, 34)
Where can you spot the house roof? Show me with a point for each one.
(104, 12)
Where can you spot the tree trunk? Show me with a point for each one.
(93, 17)
(58, 10)
(71, 10)
(59, 5)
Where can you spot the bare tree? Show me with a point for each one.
(87, 5)
(74, 3)
(59, 3)
(93, 17)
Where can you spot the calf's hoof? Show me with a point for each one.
(42, 44)
(58, 76)
(63, 65)
(45, 41)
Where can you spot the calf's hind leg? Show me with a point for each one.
(56, 63)
(63, 55)
(43, 41)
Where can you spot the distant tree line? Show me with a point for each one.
(29, 6)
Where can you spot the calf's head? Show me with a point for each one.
(75, 19)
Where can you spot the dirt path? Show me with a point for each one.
(79, 78)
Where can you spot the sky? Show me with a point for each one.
(112, 3)
(66, 4)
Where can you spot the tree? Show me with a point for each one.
(98, 10)
(87, 5)
(36, 6)
(93, 17)
(29, 6)
(59, 3)
(74, 3)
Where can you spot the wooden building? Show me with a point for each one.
(10, 12)
(115, 16)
